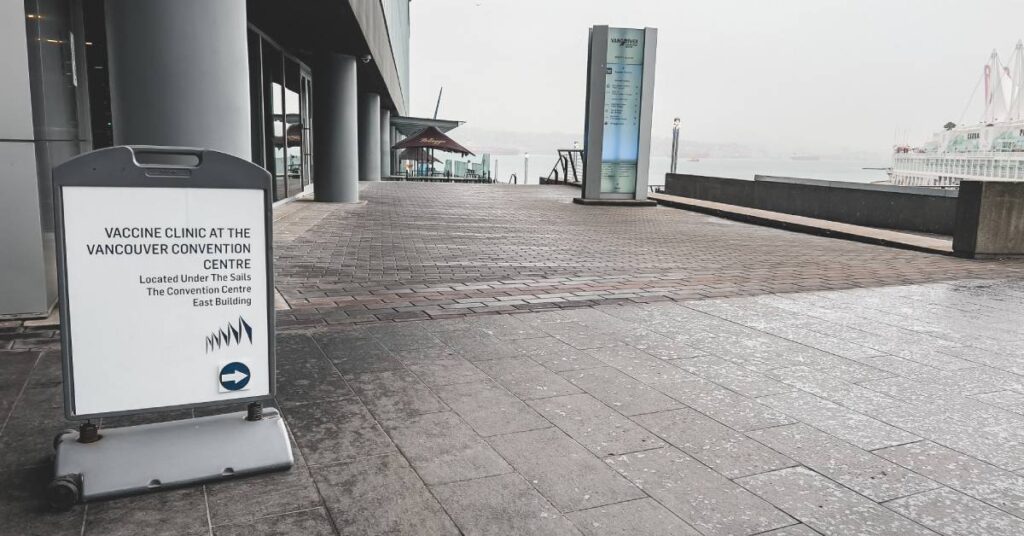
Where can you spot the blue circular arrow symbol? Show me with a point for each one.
(234, 376)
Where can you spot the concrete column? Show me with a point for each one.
(335, 134)
(385, 142)
(369, 137)
(179, 73)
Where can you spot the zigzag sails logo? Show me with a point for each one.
(235, 333)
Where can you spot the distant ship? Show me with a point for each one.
(991, 150)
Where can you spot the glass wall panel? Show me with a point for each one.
(293, 129)
(273, 88)
(256, 97)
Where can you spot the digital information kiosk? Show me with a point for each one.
(617, 129)
(166, 294)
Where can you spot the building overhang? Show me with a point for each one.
(410, 126)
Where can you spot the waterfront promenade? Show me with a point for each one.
(486, 359)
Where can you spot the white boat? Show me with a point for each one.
(992, 149)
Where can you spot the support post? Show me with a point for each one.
(335, 134)
(369, 137)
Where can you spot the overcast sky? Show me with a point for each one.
(790, 75)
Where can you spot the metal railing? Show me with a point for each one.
(568, 169)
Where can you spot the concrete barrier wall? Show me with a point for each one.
(872, 205)
(990, 219)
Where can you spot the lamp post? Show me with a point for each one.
(675, 144)
(526, 167)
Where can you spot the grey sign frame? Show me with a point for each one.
(593, 130)
(120, 167)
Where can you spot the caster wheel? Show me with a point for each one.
(63, 492)
(56, 438)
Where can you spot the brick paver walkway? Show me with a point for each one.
(782, 384)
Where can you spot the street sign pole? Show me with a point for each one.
(166, 293)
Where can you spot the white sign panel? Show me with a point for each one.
(167, 296)
(623, 91)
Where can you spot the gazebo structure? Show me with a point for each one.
(426, 142)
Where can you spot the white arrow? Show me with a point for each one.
(235, 377)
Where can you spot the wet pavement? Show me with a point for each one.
(490, 360)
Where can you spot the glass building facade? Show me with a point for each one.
(88, 74)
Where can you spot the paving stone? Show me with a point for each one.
(792, 530)
(598, 428)
(703, 498)
(243, 501)
(734, 377)
(664, 347)
(526, 378)
(848, 425)
(731, 409)
(637, 364)
(438, 372)
(394, 393)
(564, 472)
(857, 469)
(834, 389)
(313, 522)
(716, 445)
(501, 506)
(490, 409)
(477, 345)
(620, 392)
(24, 510)
(581, 336)
(403, 336)
(442, 448)
(303, 372)
(334, 431)
(26, 439)
(171, 513)
(978, 479)
(826, 506)
(352, 354)
(555, 354)
(505, 327)
(644, 516)
(949, 512)
(380, 495)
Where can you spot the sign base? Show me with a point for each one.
(615, 202)
(149, 457)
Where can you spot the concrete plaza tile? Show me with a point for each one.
(1008, 400)
(443, 448)
(701, 497)
(502, 505)
(792, 530)
(171, 513)
(567, 474)
(644, 516)
(335, 430)
(356, 354)
(664, 347)
(998, 487)
(23, 506)
(727, 407)
(734, 377)
(949, 512)
(834, 389)
(313, 522)
(401, 336)
(595, 426)
(619, 391)
(26, 439)
(874, 477)
(489, 409)
(716, 445)
(394, 393)
(477, 345)
(638, 364)
(380, 495)
(438, 372)
(526, 378)
(828, 507)
(848, 425)
(581, 336)
(304, 374)
(505, 327)
(243, 500)
(555, 354)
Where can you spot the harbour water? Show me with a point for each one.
(737, 168)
